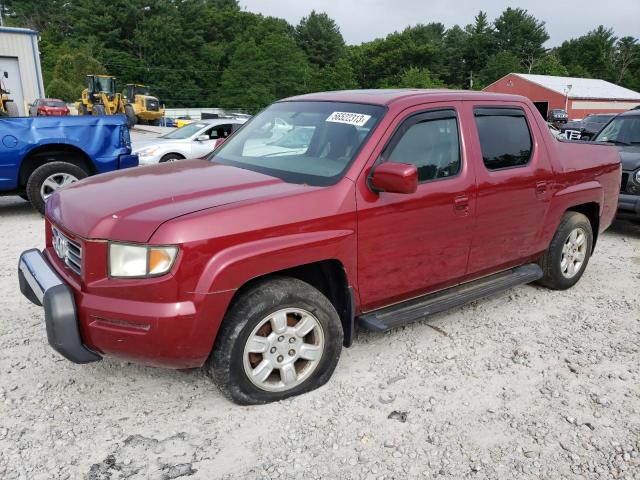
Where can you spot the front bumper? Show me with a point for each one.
(150, 160)
(628, 206)
(42, 286)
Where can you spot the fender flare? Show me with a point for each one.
(234, 266)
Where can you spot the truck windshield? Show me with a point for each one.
(624, 130)
(302, 142)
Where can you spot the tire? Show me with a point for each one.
(564, 251)
(171, 157)
(24, 196)
(284, 298)
(131, 115)
(98, 110)
(154, 123)
(36, 182)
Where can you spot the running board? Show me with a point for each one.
(418, 308)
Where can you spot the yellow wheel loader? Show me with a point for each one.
(7, 107)
(141, 106)
(100, 98)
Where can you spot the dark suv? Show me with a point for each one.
(588, 127)
(624, 132)
(557, 116)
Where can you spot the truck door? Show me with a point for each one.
(410, 244)
(514, 180)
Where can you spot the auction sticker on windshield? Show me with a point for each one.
(356, 119)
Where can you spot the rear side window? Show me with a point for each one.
(505, 138)
(431, 142)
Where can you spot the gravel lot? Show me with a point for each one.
(527, 384)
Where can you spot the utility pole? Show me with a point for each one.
(566, 97)
(1, 19)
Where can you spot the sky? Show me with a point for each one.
(364, 20)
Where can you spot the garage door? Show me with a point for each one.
(13, 82)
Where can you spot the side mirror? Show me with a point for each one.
(395, 177)
(6, 74)
(202, 138)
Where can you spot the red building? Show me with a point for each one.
(578, 96)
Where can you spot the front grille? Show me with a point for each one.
(68, 251)
(623, 185)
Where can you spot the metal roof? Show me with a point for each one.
(582, 87)
(25, 31)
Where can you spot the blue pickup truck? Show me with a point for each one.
(42, 154)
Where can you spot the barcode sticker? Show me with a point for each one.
(356, 119)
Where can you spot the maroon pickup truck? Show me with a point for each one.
(324, 212)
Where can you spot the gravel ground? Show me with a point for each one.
(527, 384)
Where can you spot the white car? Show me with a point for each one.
(194, 140)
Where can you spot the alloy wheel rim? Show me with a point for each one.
(283, 350)
(55, 182)
(574, 253)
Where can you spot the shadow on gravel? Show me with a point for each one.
(15, 206)
(623, 228)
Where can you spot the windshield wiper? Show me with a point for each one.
(616, 142)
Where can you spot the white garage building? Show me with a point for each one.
(20, 58)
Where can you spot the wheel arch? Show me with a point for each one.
(53, 152)
(178, 154)
(327, 276)
(591, 210)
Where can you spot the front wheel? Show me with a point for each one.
(280, 338)
(566, 258)
(48, 178)
(131, 115)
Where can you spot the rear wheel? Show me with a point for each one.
(568, 254)
(50, 177)
(280, 338)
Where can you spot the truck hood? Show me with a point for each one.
(131, 204)
(630, 157)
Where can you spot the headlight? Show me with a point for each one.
(147, 152)
(140, 261)
(636, 177)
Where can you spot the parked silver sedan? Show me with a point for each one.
(194, 140)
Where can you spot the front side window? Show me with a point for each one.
(218, 131)
(430, 142)
(302, 142)
(624, 130)
(505, 138)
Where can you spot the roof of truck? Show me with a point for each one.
(388, 96)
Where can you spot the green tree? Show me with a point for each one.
(481, 43)
(499, 65)
(549, 65)
(591, 55)
(522, 35)
(415, 77)
(259, 74)
(320, 39)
